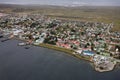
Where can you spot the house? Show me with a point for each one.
(16, 32)
(78, 51)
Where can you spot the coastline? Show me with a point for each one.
(53, 47)
(68, 51)
(77, 56)
(47, 59)
(105, 70)
(71, 52)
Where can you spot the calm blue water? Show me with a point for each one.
(36, 63)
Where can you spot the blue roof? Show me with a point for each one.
(86, 52)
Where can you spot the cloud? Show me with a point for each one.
(64, 2)
(79, 3)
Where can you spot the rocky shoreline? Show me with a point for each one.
(100, 69)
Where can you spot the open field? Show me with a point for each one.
(83, 13)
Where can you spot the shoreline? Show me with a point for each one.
(70, 52)
(107, 70)
(61, 49)
(79, 57)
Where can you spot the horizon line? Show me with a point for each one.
(64, 5)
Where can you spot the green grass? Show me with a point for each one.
(70, 51)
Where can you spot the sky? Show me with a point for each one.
(66, 2)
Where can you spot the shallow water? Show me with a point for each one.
(36, 63)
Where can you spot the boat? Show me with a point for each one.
(1, 36)
(21, 44)
(27, 47)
